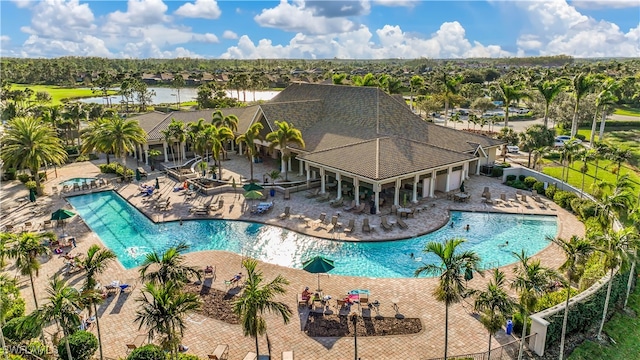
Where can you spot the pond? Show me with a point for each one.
(169, 96)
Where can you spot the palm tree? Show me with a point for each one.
(218, 136)
(229, 121)
(27, 248)
(619, 156)
(582, 84)
(549, 91)
(178, 134)
(6, 239)
(449, 90)
(416, 83)
(93, 138)
(284, 135)
(577, 251)
(510, 93)
(168, 267)
(62, 308)
(602, 151)
(531, 280)
(568, 151)
(585, 156)
(610, 205)
(606, 97)
(95, 263)
(76, 112)
(256, 299)
(248, 139)
(494, 303)
(617, 248)
(30, 143)
(125, 136)
(454, 270)
(162, 311)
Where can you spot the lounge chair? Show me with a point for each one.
(320, 220)
(251, 356)
(46, 224)
(394, 210)
(210, 271)
(286, 213)
(287, 194)
(312, 194)
(365, 225)
(221, 352)
(350, 207)
(359, 209)
(385, 225)
(324, 197)
(350, 227)
(336, 202)
(287, 355)
(142, 172)
(334, 223)
(403, 225)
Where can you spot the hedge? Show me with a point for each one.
(147, 352)
(82, 344)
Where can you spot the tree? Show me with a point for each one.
(606, 97)
(482, 105)
(26, 250)
(494, 304)
(602, 150)
(610, 205)
(248, 139)
(257, 299)
(177, 83)
(218, 137)
(509, 94)
(416, 83)
(29, 143)
(534, 137)
(168, 267)
(284, 135)
(76, 112)
(93, 138)
(617, 248)
(531, 280)
(581, 84)
(619, 156)
(229, 121)
(124, 135)
(456, 267)
(95, 263)
(577, 252)
(550, 89)
(450, 88)
(162, 311)
(569, 149)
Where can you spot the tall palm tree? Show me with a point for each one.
(450, 88)
(257, 299)
(617, 248)
(620, 156)
(229, 121)
(168, 267)
(30, 143)
(61, 308)
(76, 112)
(510, 93)
(248, 139)
(456, 267)
(93, 138)
(26, 250)
(284, 135)
(531, 280)
(124, 135)
(577, 251)
(611, 205)
(495, 304)
(569, 149)
(218, 137)
(585, 156)
(582, 84)
(416, 83)
(95, 263)
(602, 151)
(162, 311)
(179, 135)
(550, 89)
(606, 97)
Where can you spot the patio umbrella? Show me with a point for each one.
(157, 184)
(253, 195)
(61, 215)
(252, 186)
(138, 175)
(462, 187)
(32, 195)
(318, 265)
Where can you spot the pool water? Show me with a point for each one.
(78, 181)
(131, 235)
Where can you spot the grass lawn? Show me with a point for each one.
(623, 329)
(59, 93)
(626, 111)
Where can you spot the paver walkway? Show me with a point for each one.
(412, 296)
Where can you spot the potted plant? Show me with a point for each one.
(152, 154)
(274, 175)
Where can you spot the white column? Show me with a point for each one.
(183, 151)
(308, 172)
(356, 190)
(446, 185)
(146, 156)
(478, 167)
(164, 147)
(426, 187)
(240, 149)
(301, 167)
(323, 181)
(432, 188)
(414, 197)
(339, 181)
(282, 163)
(313, 174)
(465, 168)
(289, 164)
(396, 194)
(462, 175)
(376, 191)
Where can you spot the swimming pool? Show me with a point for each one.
(130, 234)
(78, 181)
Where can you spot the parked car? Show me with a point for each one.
(513, 149)
(563, 139)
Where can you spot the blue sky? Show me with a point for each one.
(319, 29)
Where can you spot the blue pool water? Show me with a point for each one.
(78, 181)
(130, 235)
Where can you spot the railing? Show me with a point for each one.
(508, 351)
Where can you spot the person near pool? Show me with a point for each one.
(452, 224)
(467, 227)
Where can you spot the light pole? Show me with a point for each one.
(354, 319)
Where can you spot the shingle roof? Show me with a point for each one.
(385, 157)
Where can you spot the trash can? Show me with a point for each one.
(373, 207)
(272, 192)
(509, 327)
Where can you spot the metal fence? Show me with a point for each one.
(508, 351)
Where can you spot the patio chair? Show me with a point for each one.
(334, 223)
(8, 228)
(221, 352)
(324, 197)
(251, 356)
(46, 224)
(287, 355)
(287, 194)
(286, 213)
(365, 225)
(359, 209)
(385, 224)
(403, 225)
(350, 227)
(27, 225)
(312, 194)
(336, 202)
(350, 207)
(210, 271)
(320, 220)
(394, 210)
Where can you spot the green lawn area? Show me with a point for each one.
(627, 111)
(623, 329)
(59, 93)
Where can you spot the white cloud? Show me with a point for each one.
(5, 39)
(61, 20)
(336, 8)
(604, 4)
(228, 34)
(399, 3)
(140, 13)
(205, 9)
(558, 28)
(88, 45)
(22, 3)
(147, 49)
(297, 18)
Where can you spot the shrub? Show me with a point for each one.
(550, 191)
(82, 344)
(71, 150)
(538, 186)
(529, 181)
(10, 174)
(147, 352)
(575, 205)
(43, 175)
(563, 198)
(31, 185)
(554, 155)
(182, 356)
(82, 158)
(519, 185)
(16, 330)
(93, 157)
(552, 299)
(497, 171)
(24, 178)
(15, 309)
(511, 177)
(521, 177)
(581, 137)
(517, 324)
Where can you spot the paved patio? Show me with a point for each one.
(412, 296)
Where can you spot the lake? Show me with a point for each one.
(168, 96)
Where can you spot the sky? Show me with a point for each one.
(319, 29)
